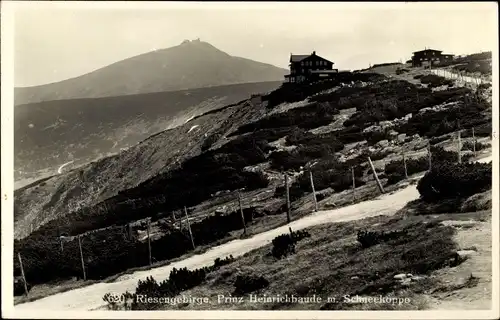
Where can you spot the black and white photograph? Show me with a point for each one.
(235, 160)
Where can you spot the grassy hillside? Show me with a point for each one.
(336, 125)
(49, 134)
(194, 64)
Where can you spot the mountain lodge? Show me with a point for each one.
(309, 68)
(429, 57)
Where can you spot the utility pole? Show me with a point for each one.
(81, 257)
(376, 176)
(189, 227)
(22, 273)
(149, 242)
(287, 199)
(242, 215)
(313, 191)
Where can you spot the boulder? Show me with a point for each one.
(393, 134)
(464, 254)
(401, 137)
(382, 144)
(400, 276)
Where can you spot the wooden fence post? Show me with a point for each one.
(242, 215)
(189, 228)
(81, 257)
(474, 142)
(287, 199)
(459, 147)
(22, 273)
(429, 155)
(353, 185)
(376, 176)
(149, 242)
(404, 164)
(313, 191)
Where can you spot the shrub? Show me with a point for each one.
(284, 244)
(448, 180)
(371, 238)
(209, 141)
(249, 283)
(395, 168)
(327, 173)
(433, 80)
(218, 262)
(469, 145)
(308, 117)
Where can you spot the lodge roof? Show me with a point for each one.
(425, 50)
(300, 57)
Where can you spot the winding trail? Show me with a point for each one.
(65, 164)
(90, 297)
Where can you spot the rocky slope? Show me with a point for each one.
(52, 133)
(170, 165)
(88, 185)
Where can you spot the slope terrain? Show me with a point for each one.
(52, 133)
(330, 127)
(192, 64)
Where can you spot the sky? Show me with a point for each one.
(54, 41)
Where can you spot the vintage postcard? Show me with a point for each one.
(250, 160)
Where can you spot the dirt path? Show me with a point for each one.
(475, 235)
(90, 297)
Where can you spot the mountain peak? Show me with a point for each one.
(192, 64)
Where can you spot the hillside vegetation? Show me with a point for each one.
(89, 129)
(331, 127)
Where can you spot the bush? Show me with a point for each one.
(293, 92)
(218, 262)
(209, 141)
(448, 180)
(469, 145)
(438, 123)
(284, 245)
(178, 281)
(249, 283)
(433, 81)
(308, 117)
(327, 173)
(371, 238)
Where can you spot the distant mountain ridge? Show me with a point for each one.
(192, 64)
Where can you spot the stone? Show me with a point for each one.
(393, 134)
(417, 278)
(383, 143)
(465, 253)
(401, 137)
(400, 276)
